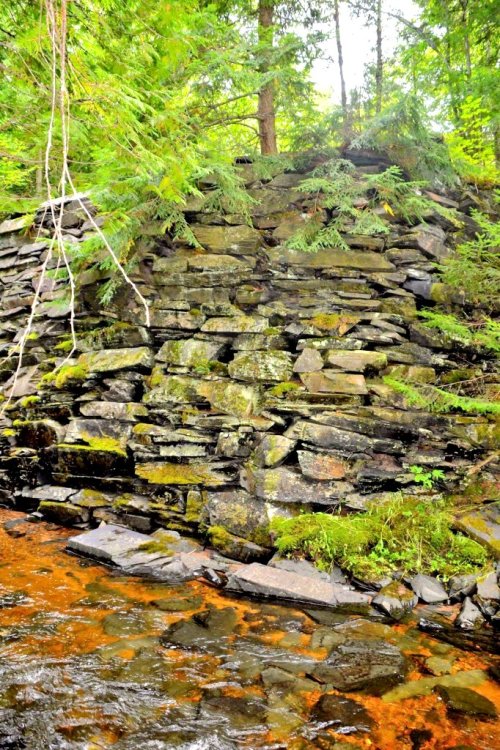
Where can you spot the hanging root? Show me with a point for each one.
(56, 18)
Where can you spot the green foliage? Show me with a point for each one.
(486, 335)
(426, 478)
(407, 534)
(437, 400)
(474, 268)
(403, 132)
(355, 205)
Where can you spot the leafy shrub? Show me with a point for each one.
(407, 534)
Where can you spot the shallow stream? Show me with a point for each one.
(92, 660)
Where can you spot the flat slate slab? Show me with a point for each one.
(262, 580)
(107, 541)
(182, 560)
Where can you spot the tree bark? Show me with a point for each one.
(266, 113)
(379, 71)
(343, 93)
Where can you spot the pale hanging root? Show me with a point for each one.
(58, 49)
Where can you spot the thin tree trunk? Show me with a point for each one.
(266, 109)
(465, 22)
(379, 71)
(343, 93)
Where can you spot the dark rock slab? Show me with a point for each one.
(374, 666)
(395, 600)
(343, 715)
(465, 701)
(267, 581)
(469, 617)
(428, 589)
(204, 631)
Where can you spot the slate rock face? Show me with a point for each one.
(258, 389)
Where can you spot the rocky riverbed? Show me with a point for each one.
(92, 658)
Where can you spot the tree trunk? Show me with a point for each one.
(379, 71)
(265, 110)
(343, 93)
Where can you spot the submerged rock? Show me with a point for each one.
(465, 701)
(373, 666)
(343, 715)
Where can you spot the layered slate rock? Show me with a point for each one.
(266, 581)
(258, 390)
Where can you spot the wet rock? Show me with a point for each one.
(243, 712)
(123, 624)
(438, 666)
(177, 603)
(343, 715)
(469, 617)
(373, 666)
(461, 586)
(205, 631)
(395, 600)
(481, 639)
(483, 525)
(465, 701)
(428, 589)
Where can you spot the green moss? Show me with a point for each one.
(20, 422)
(282, 388)
(28, 401)
(33, 336)
(177, 474)
(103, 444)
(64, 346)
(157, 547)
(400, 534)
(68, 374)
(156, 377)
(333, 322)
(8, 432)
(219, 537)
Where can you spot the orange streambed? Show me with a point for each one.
(82, 668)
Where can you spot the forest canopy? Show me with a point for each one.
(153, 96)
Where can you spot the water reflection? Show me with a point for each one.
(90, 660)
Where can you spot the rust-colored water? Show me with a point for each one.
(81, 668)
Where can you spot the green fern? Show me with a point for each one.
(487, 336)
(439, 401)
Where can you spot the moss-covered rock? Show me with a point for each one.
(156, 472)
(63, 513)
(110, 360)
(189, 352)
(176, 389)
(268, 366)
(240, 513)
(231, 398)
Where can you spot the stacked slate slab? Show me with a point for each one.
(258, 388)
